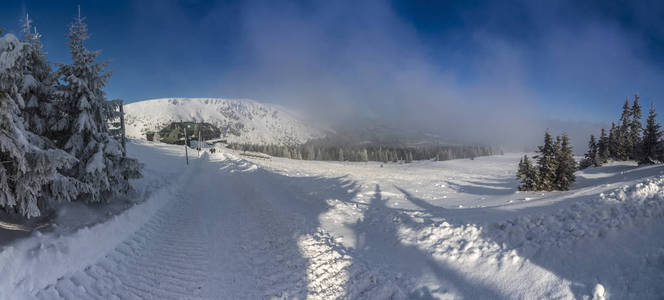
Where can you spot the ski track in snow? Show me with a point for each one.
(165, 259)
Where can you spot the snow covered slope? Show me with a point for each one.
(244, 121)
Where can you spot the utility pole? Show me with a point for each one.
(200, 144)
(186, 154)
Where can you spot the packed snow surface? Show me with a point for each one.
(242, 120)
(228, 226)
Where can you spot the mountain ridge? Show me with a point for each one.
(240, 120)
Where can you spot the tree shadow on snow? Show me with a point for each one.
(615, 174)
(378, 241)
(581, 268)
(482, 188)
(379, 246)
(297, 202)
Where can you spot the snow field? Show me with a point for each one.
(231, 227)
(503, 242)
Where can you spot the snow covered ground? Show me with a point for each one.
(233, 227)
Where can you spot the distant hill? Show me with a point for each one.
(240, 121)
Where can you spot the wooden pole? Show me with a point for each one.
(122, 130)
(199, 141)
(186, 154)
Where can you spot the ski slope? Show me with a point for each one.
(231, 227)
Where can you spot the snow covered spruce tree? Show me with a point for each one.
(635, 129)
(651, 137)
(591, 158)
(603, 147)
(38, 82)
(613, 142)
(84, 129)
(625, 146)
(527, 173)
(555, 166)
(566, 165)
(547, 164)
(28, 162)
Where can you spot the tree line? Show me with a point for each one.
(370, 152)
(55, 143)
(628, 140)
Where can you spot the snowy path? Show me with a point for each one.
(165, 259)
(222, 237)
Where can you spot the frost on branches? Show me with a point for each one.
(28, 172)
(54, 141)
(83, 129)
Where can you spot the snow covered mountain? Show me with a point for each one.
(240, 120)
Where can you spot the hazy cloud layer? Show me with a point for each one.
(341, 63)
(497, 73)
(341, 60)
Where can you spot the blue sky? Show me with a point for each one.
(435, 60)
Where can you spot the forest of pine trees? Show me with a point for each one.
(629, 140)
(554, 169)
(314, 151)
(54, 139)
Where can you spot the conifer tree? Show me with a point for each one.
(13, 146)
(592, 157)
(566, 165)
(38, 83)
(547, 164)
(285, 152)
(557, 145)
(309, 153)
(363, 155)
(521, 172)
(635, 128)
(603, 147)
(613, 142)
(83, 129)
(527, 173)
(319, 155)
(28, 169)
(624, 141)
(651, 138)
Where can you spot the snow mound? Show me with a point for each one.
(625, 206)
(240, 120)
(513, 239)
(599, 292)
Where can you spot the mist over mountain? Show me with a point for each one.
(240, 120)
